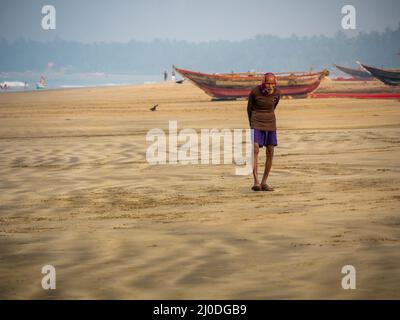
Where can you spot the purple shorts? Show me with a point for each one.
(265, 138)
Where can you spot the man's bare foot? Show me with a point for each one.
(265, 187)
(256, 187)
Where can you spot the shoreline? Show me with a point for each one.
(81, 87)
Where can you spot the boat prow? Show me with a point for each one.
(388, 76)
(355, 73)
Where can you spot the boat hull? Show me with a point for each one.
(219, 92)
(389, 77)
(357, 74)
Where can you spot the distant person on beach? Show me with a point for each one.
(173, 78)
(262, 102)
(165, 75)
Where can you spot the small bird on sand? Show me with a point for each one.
(153, 108)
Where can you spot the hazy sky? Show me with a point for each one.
(192, 20)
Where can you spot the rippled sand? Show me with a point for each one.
(77, 193)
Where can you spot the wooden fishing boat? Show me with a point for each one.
(387, 76)
(239, 85)
(355, 73)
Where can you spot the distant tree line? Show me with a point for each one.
(261, 53)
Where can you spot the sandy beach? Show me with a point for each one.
(77, 193)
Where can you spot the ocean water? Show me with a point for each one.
(15, 81)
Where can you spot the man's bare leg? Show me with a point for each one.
(255, 164)
(268, 164)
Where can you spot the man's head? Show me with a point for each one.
(270, 82)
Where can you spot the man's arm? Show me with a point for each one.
(278, 98)
(250, 104)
